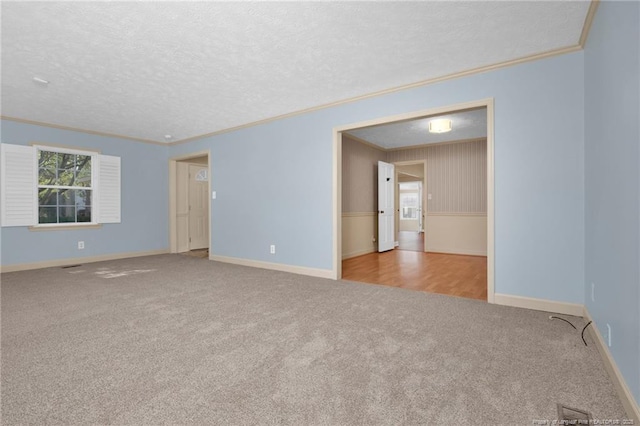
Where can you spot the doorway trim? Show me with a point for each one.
(337, 179)
(173, 205)
(423, 207)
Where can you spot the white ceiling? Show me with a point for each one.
(465, 125)
(147, 69)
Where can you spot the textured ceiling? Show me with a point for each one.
(465, 125)
(147, 69)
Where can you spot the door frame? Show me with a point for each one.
(487, 103)
(173, 205)
(424, 196)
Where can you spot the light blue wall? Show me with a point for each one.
(144, 201)
(612, 140)
(274, 181)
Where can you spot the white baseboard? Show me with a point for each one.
(628, 401)
(302, 270)
(358, 253)
(574, 309)
(79, 260)
(457, 251)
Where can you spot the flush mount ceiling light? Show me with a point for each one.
(168, 137)
(441, 125)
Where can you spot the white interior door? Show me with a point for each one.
(198, 207)
(385, 206)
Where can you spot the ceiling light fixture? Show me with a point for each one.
(40, 80)
(441, 125)
(168, 137)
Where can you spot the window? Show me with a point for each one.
(408, 205)
(45, 186)
(409, 200)
(65, 187)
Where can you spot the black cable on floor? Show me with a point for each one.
(568, 322)
(585, 327)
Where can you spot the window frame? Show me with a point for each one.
(401, 207)
(93, 188)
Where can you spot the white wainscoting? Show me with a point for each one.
(409, 225)
(457, 233)
(358, 230)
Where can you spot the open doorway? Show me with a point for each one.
(189, 205)
(450, 233)
(410, 205)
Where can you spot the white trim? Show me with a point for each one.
(491, 245)
(462, 252)
(337, 204)
(561, 51)
(545, 305)
(312, 272)
(64, 226)
(628, 401)
(337, 179)
(173, 239)
(66, 147)
(397, 217)
(63, 150)
(79, 260)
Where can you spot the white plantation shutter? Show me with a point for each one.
(108, 185)
(19, 185)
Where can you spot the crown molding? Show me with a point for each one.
(364, 142)
(593, 6)
(479, 70)
(588, 21)
(75, 129)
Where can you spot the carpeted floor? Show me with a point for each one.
(174, 339)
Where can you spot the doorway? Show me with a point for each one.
(190, 205)
(447, 260)
(410, 205)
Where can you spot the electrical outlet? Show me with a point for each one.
(80, 245)
(609, 335)
(373, 238)
(593, 292)
(272, 249)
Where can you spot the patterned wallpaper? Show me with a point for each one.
(456, 175)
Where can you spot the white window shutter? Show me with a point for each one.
(108, 189)
(19, 185)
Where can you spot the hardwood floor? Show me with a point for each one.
(410, 240)
(454, 275)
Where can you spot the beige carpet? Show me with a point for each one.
(176, 340)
